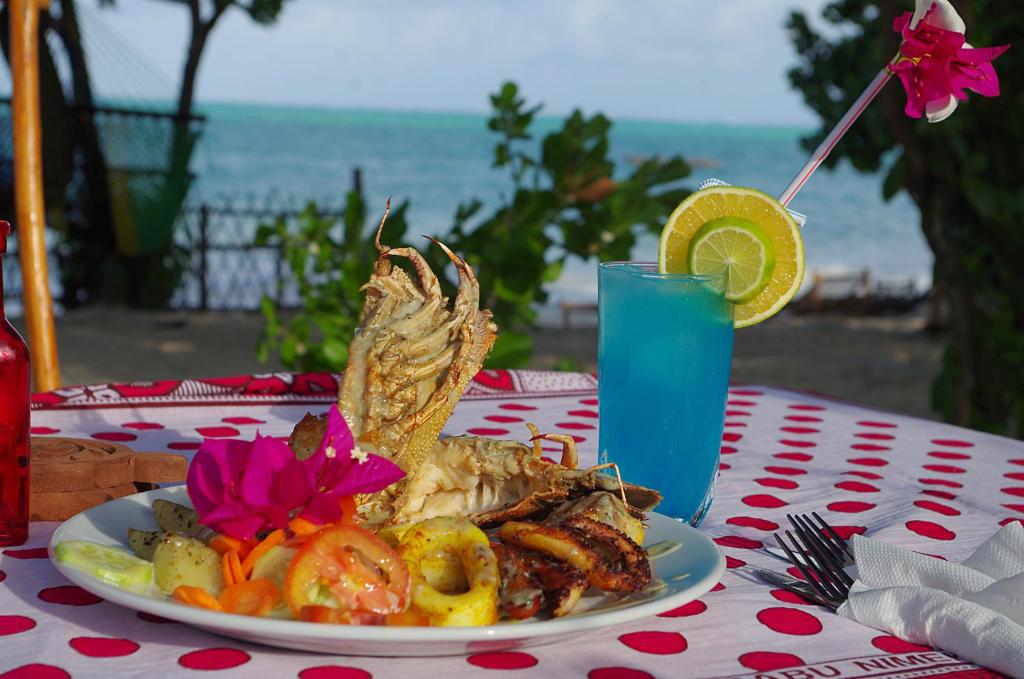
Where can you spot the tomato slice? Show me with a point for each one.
(336, 616)
(349, 567)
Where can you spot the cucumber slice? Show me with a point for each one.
(274, 565)
(112, 565)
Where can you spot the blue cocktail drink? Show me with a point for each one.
(664, 352)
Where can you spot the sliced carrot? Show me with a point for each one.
(225, 570)
(252, 597)
(235, 563)
(196, 596)
(265, 545)
(303, 527)
(223, 544)
(337, 616)
(231, 568)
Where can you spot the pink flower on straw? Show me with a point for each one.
(240, 488)
(937, 65)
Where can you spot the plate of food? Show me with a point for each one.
(688, 566)
(368, 533)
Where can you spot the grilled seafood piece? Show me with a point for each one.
(520, 595)
(493, 481)
(606, 556)
(563, 584)
(307, 435)
(530, 580)
(412, 355)
(604, 507)
(591, 539)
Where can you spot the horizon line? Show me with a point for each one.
(482, 112)
(199, 105)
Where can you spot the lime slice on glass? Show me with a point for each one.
(110, 564)
(739, 248)
(744, 232)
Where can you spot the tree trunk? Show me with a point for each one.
(179, 150)
(94, 231)
(938, 219)
(197, 43)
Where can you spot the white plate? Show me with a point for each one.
(688, 572)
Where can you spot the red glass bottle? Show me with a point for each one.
(14, 416)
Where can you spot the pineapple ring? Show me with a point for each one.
(458, 543)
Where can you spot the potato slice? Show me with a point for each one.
(181, 560)
(175, 518)
(143, 542)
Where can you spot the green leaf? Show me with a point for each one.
(269, 311)
(335, 352)
(264, 232)
(511, 350)
(895, 179)
(568, 364)
(501, 155)
(553, 271)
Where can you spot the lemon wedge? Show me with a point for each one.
(744, 233)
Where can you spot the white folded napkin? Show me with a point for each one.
(974, 609)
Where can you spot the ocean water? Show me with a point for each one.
(437, 160)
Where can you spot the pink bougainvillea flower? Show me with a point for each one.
(341, 469)
(936, 65)
(240, 488)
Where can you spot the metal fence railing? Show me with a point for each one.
(225, 269)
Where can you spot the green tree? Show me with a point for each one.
(964, 174)
(203, 17)
(566, 200)
(329, 262)
(91, 266)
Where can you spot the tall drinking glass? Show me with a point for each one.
(664, 352)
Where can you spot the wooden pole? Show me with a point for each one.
(23, 16)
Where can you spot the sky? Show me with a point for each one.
(691, 60)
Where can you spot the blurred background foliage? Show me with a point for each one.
(964, 174)
(564, 201)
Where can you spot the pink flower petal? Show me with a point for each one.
(321, 509)
(240, 488)
(939, 13)
(377, 473)
(293, 485)
(242, 528)
(204, 484)
(266, 459)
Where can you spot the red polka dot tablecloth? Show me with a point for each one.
(923, 485)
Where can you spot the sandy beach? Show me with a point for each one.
(885, 362)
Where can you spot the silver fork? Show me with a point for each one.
(839, 545)
(819, 528)
(789, 583)
(821, 560)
